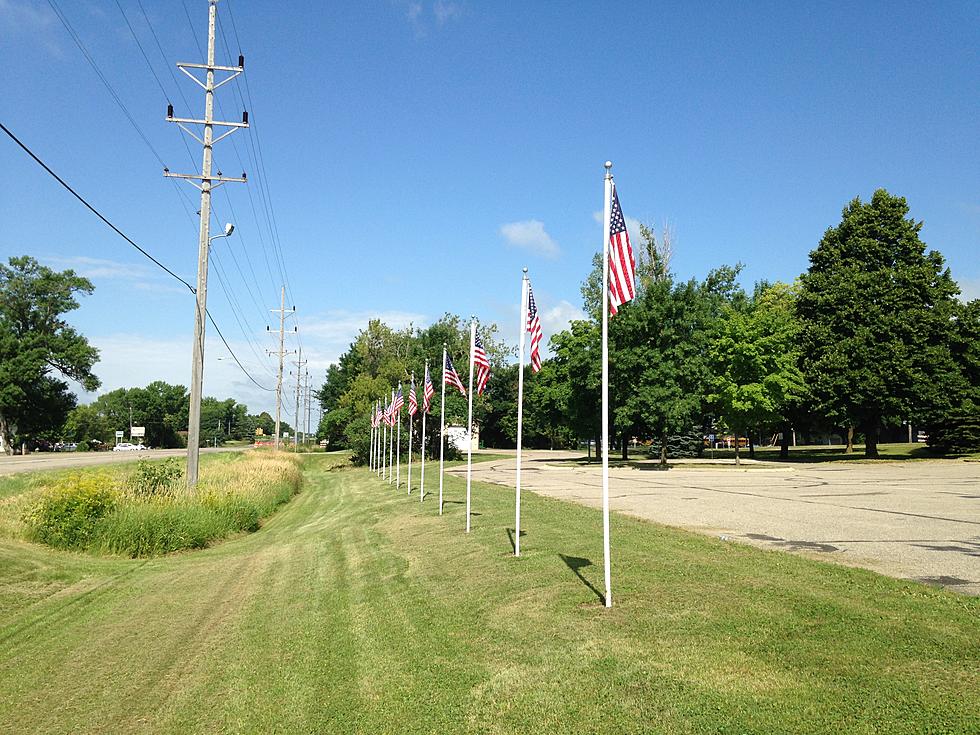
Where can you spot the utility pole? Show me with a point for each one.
(299, 363)
(306, 433)
(208, 183)
(282, 311)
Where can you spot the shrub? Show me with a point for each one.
(156, 478)
(68, 513)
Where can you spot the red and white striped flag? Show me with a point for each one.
(399, 401)
(534, 328)
(450, 376)
(622, 287)
(413, 403)
(482, 364)
(428, 390)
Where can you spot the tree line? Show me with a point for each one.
(40, 352)
(871, 337)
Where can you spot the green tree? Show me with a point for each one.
(876, 312)
(754, 361)
(38, 348)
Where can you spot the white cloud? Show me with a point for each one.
(559, 316)
(530, 235)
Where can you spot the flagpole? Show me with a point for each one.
(442, 426)
(520, 415)
(410, 437)
(377, 442)
(391, 443)
(371, 445)
(398, 447)
(422, 485)
(469, 445)
(606, 214)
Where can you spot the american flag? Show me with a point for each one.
(388, 416)
(375, 418)
(534, 328)
(413, 403)
(428, 390)
(482, 364)
(621, 263)
(450, 377)
(396, 405)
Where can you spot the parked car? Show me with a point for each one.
(125, 447)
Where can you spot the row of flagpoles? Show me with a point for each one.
(618, 287)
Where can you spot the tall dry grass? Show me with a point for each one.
(232, 495)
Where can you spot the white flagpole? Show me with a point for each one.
(606, 214)
(442, 425)
(410, 438)
(391, 445)
(469, 445)
(422, 486)
(398, 447)
(377, 443)
(384, 444)
(371, 445)
(520, 415)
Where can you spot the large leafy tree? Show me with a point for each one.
(754, 361)
(877, 313)
(39, 349)
(380, 358)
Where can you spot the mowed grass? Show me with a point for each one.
(356, 609)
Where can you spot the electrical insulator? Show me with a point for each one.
(170, 111)
(241, 61)
(245, 116)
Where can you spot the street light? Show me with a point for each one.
(229, 228)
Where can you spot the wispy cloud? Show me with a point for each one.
(530, 235)
(29, 18)
(445, 11)
(135, 275)
(423, 15)
(327, 335)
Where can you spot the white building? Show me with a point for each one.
(460, 437)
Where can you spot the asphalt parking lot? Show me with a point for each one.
(913, 520)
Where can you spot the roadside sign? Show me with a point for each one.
(119, 435)
(137, 431)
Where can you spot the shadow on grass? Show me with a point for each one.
(510, 535)
(576, 563)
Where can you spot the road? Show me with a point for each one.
(913, 520)
(60, 461)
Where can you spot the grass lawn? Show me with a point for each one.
(357, 610)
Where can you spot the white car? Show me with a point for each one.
(125, 447)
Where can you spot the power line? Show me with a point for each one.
(98, 71)
(128, 239)
(142, 51)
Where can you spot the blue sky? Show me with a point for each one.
(418, 154)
